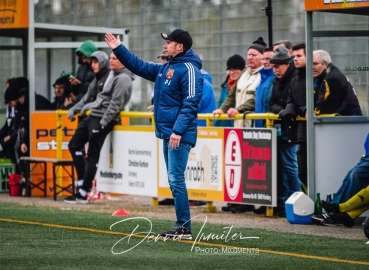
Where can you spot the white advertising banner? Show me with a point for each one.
(204, 173)
(128, 162)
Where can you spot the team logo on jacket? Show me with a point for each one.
(170, 73)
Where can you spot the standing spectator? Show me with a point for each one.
(178, 91)
(109, 96)
(264, 90)
(235, 65)
(85, 75)
(286, 43)
(296, 105)
(163, 57)
(287, 177)
(241, 98)
(207, 102)
(333, 92)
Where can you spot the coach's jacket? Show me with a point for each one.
(177, 91)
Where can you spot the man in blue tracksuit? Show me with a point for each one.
(177, 93)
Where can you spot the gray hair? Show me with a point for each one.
(285, 42)
(323, 56)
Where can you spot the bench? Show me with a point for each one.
(32, 162)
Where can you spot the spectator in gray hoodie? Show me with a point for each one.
(107, 95)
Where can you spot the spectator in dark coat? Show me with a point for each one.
(85, 74)
(17, 142)
(333, 92)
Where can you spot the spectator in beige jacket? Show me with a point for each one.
(241, 98)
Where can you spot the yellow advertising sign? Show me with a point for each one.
(316, 5)
(13, 14)
(43, 144)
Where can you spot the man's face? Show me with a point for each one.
(234, 74)
(59, 90)
(280, 69)
(13, 103)
(299, 58)
(84, 59)
(266, 58)
(318, 66)
(172, 48)
(115, 64)
(95, 65)
(254, 59)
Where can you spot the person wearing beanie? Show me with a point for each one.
(258, 45)
(177, 94)
(235, 65)
(241, 98)
(288, 181)
(84, 73)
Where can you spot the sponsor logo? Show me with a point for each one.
(43, 133)
(95, 131)
(112, 175)
(233, 165)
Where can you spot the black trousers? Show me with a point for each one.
(302, 162)
(88, 130)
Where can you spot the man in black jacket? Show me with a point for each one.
(333, 92)
(296, 105)
(287, 180)
(16, 144)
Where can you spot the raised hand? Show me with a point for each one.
(112, 41)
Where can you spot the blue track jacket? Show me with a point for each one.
(177, 91)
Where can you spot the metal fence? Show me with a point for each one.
(220, 28)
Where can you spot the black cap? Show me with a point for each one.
(16, 89)
(180, 36)
(236, 62)
(61, 80)
(258, 45)
(280, 56)
(12, 93)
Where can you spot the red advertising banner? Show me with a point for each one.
(258, 148)
(233, 165)
(250, 175)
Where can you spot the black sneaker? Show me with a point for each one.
(167, 202)
(242, 208)
(260, 211)
(318, 219)
(330, 207)
(227, 208)
(77, 198)
(178, 233)
(339, 220)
